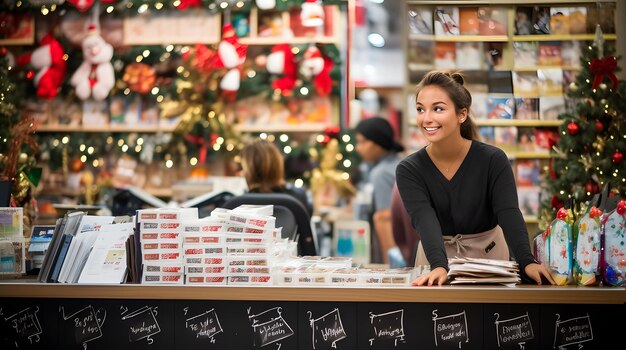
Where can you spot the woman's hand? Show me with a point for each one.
(438, 276)
(535, 271)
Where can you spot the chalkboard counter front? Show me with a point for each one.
(57, 316)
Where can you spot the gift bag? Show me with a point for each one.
(587, 232)
(613, 259)
(559, 244)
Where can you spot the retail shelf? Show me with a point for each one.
(512, 122)
(271, 128)
(106, 128)
(472, 38)
(287, 40)
(536, 68)
(529, 155)
(561, 37)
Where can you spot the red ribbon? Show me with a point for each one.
(601, 67)
(202, 144)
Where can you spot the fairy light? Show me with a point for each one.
(211, 114)
(345, 176)
(109, 9)
(82, 148)
(83, 158)
(124, 148)
(169, 163)
(158, 5)
(284, 138)
(263, 136)
(230, 147)
(55, 143)
(176, 3)
(350, 147)
(319, 138)
(137, 149)
(298, 183)
(169, 48)
(44, 10)
(224, 5)
(120, 142)
(216, 147)
(347, 163)
(193, 161)
(271, 138)
(159, 98)
(251, 74)
(109, 140)
(295, 50)
(145, 53)
(304, 91)
(95, 163)
(139, 58)
(240, 4)
(287, 149)
(142, 8)
(155, 90)
(65, 140)
(345, 138)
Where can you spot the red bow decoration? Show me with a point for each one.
(322, 82)
(601, 67)
(204, 59)
(203, 144)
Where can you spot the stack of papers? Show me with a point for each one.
(483, 271)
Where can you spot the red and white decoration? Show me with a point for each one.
(231, 54)
(95, 77)
(318, 67)
(281, 62)
(312, 14)
(50, 65)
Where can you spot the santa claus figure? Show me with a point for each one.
(231, 54)
(95, 77)
(312, 14)
(50, 65)
(280, 62)
(318, 67)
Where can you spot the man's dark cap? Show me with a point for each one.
(379, 131)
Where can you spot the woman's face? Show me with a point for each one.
(436, 114)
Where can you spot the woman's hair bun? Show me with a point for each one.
(458, 78)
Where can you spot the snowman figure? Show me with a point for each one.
(95, 77)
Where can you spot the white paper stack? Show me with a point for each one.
(250, 235)
(161, 238)
(483, 271)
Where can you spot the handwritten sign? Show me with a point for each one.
(450, 328)
(572, 331)
(387, 326)
(517, 330)
(269, 326)
(87, 323)
(327, 329)
(141, 323)
(25, 324)
(204, 326)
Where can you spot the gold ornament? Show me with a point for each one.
(586, 161)
(603, 86)
(573, 87)
(23, 158)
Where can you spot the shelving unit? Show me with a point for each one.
(421, 20)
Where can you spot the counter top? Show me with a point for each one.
(521, 294)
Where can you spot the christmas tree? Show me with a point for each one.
(590, 151)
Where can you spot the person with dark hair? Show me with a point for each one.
(459, 192)
(376, 145)
(263, 166)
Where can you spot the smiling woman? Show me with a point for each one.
(459, 192)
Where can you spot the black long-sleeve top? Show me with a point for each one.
(481, 195)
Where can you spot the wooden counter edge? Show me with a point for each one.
(525, 294)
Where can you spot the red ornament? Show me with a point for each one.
(618, 157)
(621, 207)
(592, 187)
(573, 128)
(599, 126)
(595, 212)
(332, 131)
(3, 51)
(556, 202)
(30, 75)
(561, 214)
